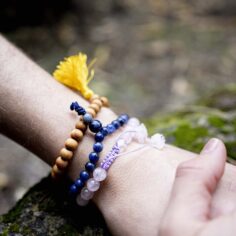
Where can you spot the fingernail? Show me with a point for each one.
(210, 146)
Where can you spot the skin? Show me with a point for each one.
(34, 111)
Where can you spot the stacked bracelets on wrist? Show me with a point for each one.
(75, 73)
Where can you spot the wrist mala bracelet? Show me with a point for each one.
(76, 135)
(100, 133)
(134, 132)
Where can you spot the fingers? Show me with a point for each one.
(194, 184)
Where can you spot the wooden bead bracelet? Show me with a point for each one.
(76, 135)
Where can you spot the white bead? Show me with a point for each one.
(93, 185)
(158, 141)
(80, 201)
(133, 122)
(99, 174)
(142, 134)
(122, 145)
(86, 194)
(128, 137)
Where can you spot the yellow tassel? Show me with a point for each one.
(75, 73)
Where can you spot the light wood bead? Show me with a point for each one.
(61, 164)
(95, 107)
(92, 112)
(77, 134)
(95, 96)
(71, 144)
(104, 101)
(98, 102)
(80, 125)
(66, 154)
(56, 170)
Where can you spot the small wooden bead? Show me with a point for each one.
(92, 112)
(61, 164)
(65, 154)
(95, 96)
(104, 101)
(80, 125)
(77, 134)
(98, 102)
(71, 144)
(95, 107)
(56, 170)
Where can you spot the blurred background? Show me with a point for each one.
(152, 56)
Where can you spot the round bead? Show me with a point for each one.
(93, 185)
(105, 101)
(89, 166)
(61, 164)
(99, 137)
(95, 126)
(128, 137)
(99, 174)
(133, 122)
(56, 170)
(72, 106)
(84, 175)
(87, 118)
(142, 134)
(97, 102)
(71, 144)
(125, 117)
(95, 107)
(86, 194)
(79, 183)
(80, 201)
(158, 140)
(91, 112)
(97, 147)
(116, 124)
(93, 157)
(95, 96)
(110, 128)
(121, 121)
(73, 189)
(77, 134)
(122, 145)
(80, 125)
(104, 131)
(65, 154)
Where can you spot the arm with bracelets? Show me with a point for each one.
(35, 112)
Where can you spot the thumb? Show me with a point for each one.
(195, 182)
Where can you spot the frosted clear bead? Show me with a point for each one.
(158, 140)
(80, 201)
(128, 137)
(122, 145)
(133, 122)
(141, 134)
(86, 194)
(99, 174)
(93, 185)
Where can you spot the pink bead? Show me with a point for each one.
(99, 174)
(80, 201)
(133, 122)
(93, 185)
(86, 194)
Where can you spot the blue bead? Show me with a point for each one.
(99, 137)
(72, 106)
(104, 131)
(125, 117)
(95, 126)
(73, 189)
(111, 128)
(121, 121)
(87, 118)
(89, 167)
(79, 183)
(93, 157)
(84, 176)
(97, 147)
(116, 124)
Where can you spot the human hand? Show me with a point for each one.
(190, 208)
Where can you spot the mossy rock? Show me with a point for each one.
(46, 209)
